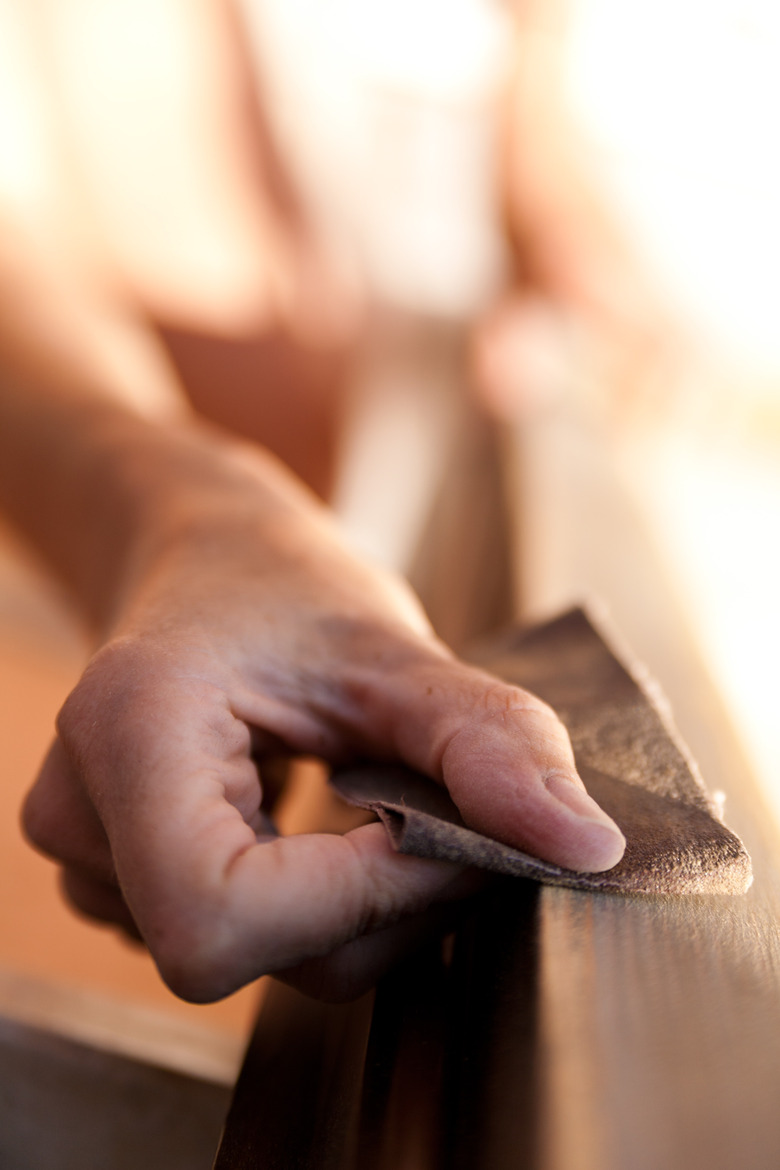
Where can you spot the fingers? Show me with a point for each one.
(503, 754)
(354, 968)
(219, 907)
(525, 790)
(60, 820)
(281, 902)
(218, 910)
(218, 902)
(168, 767)
(165, 763)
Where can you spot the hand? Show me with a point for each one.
(248, 628)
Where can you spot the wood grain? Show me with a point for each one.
(564, 1029)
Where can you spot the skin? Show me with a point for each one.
(231, 622)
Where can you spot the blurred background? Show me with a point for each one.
(652, 127)
(585, 194)
(681, 102)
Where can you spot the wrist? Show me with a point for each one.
(185, 493)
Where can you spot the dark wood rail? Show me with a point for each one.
(558, 1029)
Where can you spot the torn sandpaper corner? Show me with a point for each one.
(632, 763)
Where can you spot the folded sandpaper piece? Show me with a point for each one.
(630, 758)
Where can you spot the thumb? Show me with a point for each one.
(503, 755)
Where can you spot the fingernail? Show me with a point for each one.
(569, 792)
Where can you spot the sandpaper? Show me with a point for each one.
(628, 754)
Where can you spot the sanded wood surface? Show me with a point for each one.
(660, 1018)
(567, 1030)
(560, 1029)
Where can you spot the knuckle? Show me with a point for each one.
(99, 695)
(193, 945)
(502, 701)
(193, 968)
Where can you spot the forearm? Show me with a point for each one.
(80, 383)
(92, 422)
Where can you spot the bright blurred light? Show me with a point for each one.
(681, 99)
(388, 111)
(26, 173)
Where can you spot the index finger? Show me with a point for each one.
(217, 907)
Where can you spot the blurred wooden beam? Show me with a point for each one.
(65, 1105)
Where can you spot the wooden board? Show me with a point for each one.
(559, 1029)
(587, 1031)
